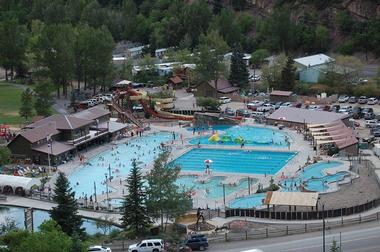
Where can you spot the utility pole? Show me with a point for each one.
(324, 228)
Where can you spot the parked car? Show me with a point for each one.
(297, 104)
(254, 104)
(229, 111)
(343, 98)
(370, 123)
(99, 248)
(152, 245)
(224, 100)
(243, 112)
(369, 116)
(277, 105)
(372, 101)
(267, 107)
(255, 77)
(198, 242)
(362, 100)
(335, 108)
(367, 110)
(352, 99)
(357, 112)
(313, 107)
(286, 104)
(108, 97)
(376, 133)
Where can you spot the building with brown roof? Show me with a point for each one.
(281, 96)
(60, 136)
(223, 88)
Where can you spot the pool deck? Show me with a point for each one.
(181, 145)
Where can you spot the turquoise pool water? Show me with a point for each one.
(144, 149)
(254, 200)
(234, 161)
(213, 187)
(252, 136)
(312, 176)
(17, 214)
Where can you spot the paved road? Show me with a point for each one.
(361, 238)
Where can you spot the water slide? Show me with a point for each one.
(141, 96)
(127, 114)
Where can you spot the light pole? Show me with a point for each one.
(323, 226)
(107, 192)
(224, 195)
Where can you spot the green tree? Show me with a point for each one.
(334, 247)
(208, 103)
(100, 65)
(210, 64)
(322, 38)
(5, 155)
(279, 32)
(129, 14)
(13, 44)
(271, 74)
(26, 109)
(258, 58)
(66, 211)
(55, 51)
(49, 238)
(345, 21)
(238, 69)
(217, 7)
(288, 75)
(44, 98)
(197, 17)
(135, 216)
(164, 198)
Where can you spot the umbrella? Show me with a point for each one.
(208, 161)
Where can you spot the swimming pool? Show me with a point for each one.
(253, 200)
(234, 161)
(17, 214)
(252, 136)
(213, 188)
(313, 178)
(145, 149)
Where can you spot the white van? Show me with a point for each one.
(258, 114)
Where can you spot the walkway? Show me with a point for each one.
(46, 206)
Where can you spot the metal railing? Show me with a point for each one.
(302, 215)
(259, 233)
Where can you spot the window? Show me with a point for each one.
(150, 244)
(143, 245)
(157, 243)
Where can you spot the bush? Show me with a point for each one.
(208, 102)
(346, 48)
(5, 155)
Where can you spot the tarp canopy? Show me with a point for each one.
(292, 198)
(18, 181)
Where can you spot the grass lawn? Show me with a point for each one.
(9, 104)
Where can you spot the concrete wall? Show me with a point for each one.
(310, 75)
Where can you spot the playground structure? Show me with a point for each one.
(216, 138)
(144, 100)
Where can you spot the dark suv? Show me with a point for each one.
(197, 242)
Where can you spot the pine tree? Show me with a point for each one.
(217, 7)
(44, 98)
(26, 109)
(135, 217)
(238, 70)
(66, 212)
(288, 75)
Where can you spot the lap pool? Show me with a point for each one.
(234, 161)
